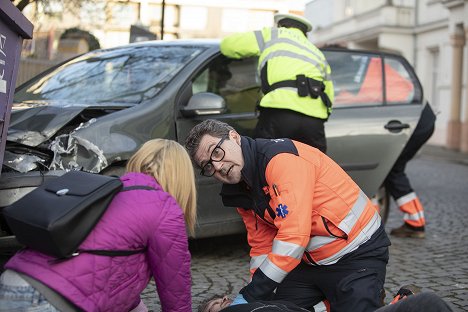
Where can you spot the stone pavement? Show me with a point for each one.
(438, 263)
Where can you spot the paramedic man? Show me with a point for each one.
(313, 233)
(295, 79)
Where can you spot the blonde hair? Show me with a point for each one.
(168, 162)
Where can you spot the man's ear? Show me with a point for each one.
(235, 136)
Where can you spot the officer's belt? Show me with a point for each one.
(305, 87)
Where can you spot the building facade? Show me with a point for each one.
(431, 34)
(118, 22)
(110, 20)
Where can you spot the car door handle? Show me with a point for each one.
(396, 126)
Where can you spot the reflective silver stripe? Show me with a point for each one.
(414, 217)
(274, 34)
(363, 237)
(260, 41)
(273, 271)
(406, 199)
(256, 261)
(297, 45)
(347, 224)
(287, 249)
(320, 307)
(294, 56)
(318, 241)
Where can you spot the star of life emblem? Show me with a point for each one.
(282, 211)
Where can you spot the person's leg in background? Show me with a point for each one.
(398, 185)
(422, 302)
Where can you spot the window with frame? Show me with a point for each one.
(399, 87)
(359, 78)
(234, 80)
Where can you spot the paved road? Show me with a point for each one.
(438, 263)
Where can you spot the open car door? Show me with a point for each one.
(378, 102)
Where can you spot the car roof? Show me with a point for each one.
(191, 42)
(215, 42)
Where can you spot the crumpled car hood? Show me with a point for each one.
(39, 122)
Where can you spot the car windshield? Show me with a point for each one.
(123, 75)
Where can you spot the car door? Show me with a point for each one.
(378, 102)
(235, 81)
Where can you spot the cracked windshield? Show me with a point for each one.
(117, 77)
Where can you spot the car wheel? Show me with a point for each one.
(382, 199)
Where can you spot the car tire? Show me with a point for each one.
(382, 199)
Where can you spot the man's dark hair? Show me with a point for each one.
(204, 304)
(290, 23)
(215, 128)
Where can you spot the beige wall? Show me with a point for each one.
(29, 68)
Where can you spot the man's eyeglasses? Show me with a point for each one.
(208, 169)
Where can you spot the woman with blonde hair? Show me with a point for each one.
(151, 219)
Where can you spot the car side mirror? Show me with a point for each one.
(204, 103)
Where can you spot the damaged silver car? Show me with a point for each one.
(93, 112)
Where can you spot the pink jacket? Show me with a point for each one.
(134, 220)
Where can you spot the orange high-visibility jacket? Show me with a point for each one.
(297, 204)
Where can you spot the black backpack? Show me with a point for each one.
(57, 216)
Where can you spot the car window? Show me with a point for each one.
(120, 76)
(357, 78)
(399, 86)
(234, 80)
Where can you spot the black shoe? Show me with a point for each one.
(407, 230)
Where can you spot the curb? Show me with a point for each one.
(437, 152)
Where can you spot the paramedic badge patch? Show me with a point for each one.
(282, 211)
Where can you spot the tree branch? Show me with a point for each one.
(22, 4)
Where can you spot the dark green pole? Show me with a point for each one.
(162, 18)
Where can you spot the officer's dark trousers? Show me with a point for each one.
(397, 182)
(274, 123)
(355, 283)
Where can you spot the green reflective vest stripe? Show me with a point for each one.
(286, 53)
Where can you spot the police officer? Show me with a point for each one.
(398, 184)
(295, 79)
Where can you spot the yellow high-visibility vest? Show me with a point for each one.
(286, 53)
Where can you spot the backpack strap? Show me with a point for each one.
(110, 253)
(137, 187)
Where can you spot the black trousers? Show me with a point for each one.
(423, 302)
(355, 283)
(276, 123)
(397, 182)
(265, 306)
